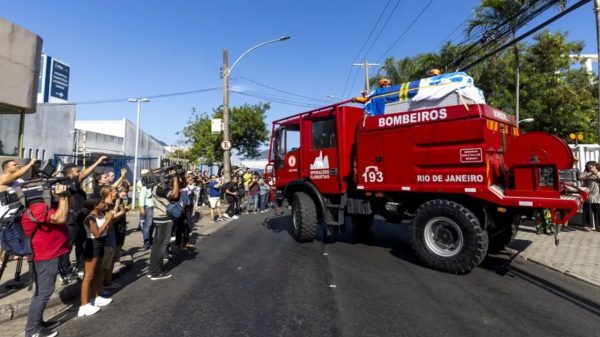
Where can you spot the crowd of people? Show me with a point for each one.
(247, 192)
(92, 222)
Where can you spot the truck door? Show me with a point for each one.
(286, 153)
(321, 159)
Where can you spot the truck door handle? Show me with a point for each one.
(333, 171)
(378, 159)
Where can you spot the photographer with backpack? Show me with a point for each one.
(46, 227)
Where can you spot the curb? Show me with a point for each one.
(564, 272)
(20, 308)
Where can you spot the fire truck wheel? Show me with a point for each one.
(448, 237)
(304, 217)
(362, 223)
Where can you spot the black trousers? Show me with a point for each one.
(183, 226)
(232, 202)
(162, 236)
(594, 215)
(77, 239)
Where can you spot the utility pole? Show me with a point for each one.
(225, 73)
(597, 14)
(226, 153)
(366, 65)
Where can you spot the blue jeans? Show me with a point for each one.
(252, 203)
(264, 200)
(147, 226)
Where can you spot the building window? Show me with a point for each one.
(37, 153)
(323, 133)
(43, 154)
(30, 152)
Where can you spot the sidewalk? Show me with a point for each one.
(577, 255)
(15, 298)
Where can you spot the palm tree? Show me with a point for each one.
(492, 13)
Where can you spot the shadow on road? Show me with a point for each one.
(397, 239)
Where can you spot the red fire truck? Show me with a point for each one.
(462, 174)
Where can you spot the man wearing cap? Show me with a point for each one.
(146, 210)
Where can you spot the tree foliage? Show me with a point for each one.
(247, 128)
(561, 98)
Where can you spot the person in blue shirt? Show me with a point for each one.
(214, 197)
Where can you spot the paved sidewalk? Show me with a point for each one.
(577, 255)
(14, 303)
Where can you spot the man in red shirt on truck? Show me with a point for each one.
(47, 229)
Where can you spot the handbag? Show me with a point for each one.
(174, 210)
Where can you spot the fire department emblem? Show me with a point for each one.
(292, 161)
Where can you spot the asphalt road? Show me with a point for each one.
(252, 279)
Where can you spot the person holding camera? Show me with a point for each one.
(75, 216)
(162, 195)
(47, 229)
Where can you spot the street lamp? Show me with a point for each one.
(526, 120)
(139, 102)
(225, 74)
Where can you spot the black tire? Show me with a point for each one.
(304, 217)
(362, 223)
(455, 242)
(501, 239)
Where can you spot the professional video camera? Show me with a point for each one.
(163, 176)
(39, 189)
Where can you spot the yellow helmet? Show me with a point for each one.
(434, 72)
(384, 81)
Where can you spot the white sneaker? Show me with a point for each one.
(235, 217)
(87, 310)
(102, 301)
(226, 216)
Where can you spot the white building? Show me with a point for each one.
(115, 137)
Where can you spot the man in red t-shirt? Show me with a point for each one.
(50, 240)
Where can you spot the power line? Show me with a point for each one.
(490, 37)
(356, 57)
(373, 29)
(118, 100)
(382, 29)
(526, 34)
(281, 97)
(448, 37)
(275, 100)
(280, 90)
(406, 30)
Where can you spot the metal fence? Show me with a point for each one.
(113, 164)
(584, 153)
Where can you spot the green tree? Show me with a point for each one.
(412, 68)
(560, 98)
(247, 127)
(493, 13)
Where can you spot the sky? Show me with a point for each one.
(119, 49)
